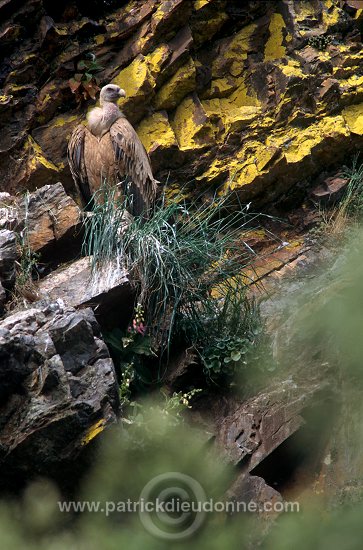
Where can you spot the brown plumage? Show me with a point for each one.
(110, 149)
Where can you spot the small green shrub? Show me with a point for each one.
(320, 42)
(225, 332)
(84, 83)
(128, 349)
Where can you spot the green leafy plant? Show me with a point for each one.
(104, 227)
(168, 407)
(320, 42)
(84, 84)
(129, 348)
(225, 332)
(27, 262)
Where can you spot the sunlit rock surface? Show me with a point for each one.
(109, 290)
(253, 97)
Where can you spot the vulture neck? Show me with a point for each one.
(101, 119)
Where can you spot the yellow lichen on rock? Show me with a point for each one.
(199, 4)
(233, 118)
(242, 96)
(234, 53)
(35, 155)
(63, 120)
(303, 145)
(251, 162)
(180, 85)
(35, 169)
(156, 59)
(283, 152)
(99, 39)
(236, 111)
(191, 125)
(206, 23)
(353, 116)
(274, 48)
(156, 130)
(331, 14)
(94, 430)
(220, 87)
(306, 141)
(293, 68)
(136, 78)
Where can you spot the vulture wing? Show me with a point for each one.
(77, 163)
(134, 162)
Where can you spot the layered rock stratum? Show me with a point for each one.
(252, 96)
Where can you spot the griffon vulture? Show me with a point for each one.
(108, 148)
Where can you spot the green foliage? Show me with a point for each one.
(221, 357)
(84, 84)
(104, 227)
(128, 349)
(224, 332)
(170, 408)
(27, 262)
(320, 42)
(174, 257)
(338, 221)
(352, 202)
(178, 402)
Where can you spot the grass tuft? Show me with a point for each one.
(174, 258)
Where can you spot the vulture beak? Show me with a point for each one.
(122, 93)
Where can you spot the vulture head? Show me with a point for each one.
(111, 93)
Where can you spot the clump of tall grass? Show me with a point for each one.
(24, 290)
(174, 257)
(350, 207)
(352, 202)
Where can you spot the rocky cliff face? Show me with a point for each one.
(58, 390)
(253, 96)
